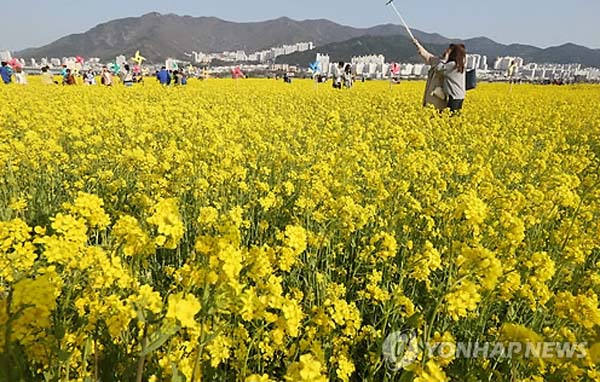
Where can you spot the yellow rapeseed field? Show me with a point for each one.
(254, 231)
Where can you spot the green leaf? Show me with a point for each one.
(413, 321)
(140, 315)
(63, 356)
(87, 350)
(160, 340)
(48, 375)
(407, 376)
(177, 377)
(59, 332)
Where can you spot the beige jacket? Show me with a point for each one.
(435, 79)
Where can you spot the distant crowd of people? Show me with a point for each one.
(126, 75)
(6, 74)
(446, 81)
(167, 77)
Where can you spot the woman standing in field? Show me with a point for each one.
(338, 74)
(47, 78)
(435, 81)
(446, 80)
(20, 76)
(106, 78)
(127, 77)
(348, 76)
(453, 69)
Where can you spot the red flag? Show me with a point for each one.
(237, 73)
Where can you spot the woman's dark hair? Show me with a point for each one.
(458, 54)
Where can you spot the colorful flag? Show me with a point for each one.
(14, 63)
(314, 67)
(237, 73)
(114, 68)
(138, 58)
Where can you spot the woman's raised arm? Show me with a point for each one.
(426, 55)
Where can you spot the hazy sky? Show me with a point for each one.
(542, 23)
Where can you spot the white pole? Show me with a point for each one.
(402, 19)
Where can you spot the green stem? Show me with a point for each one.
(7, 330)
(142, 359)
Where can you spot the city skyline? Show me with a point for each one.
(543, 24)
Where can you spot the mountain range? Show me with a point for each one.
(160, 36)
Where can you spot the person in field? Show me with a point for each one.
(511, 73)
(184, 79)
(106, 78)
(453, 68)
(446, 80)
(163, 76)
(69, 78)
(5, 73)
(127, 76)
(338, 73)
(348, 81)
(20, 77)
(63, 74)
(89, 78)
(46, 76)
(138, 78)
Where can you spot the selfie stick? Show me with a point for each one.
(391, 2)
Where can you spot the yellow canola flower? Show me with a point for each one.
(481, 263)
(148, 299)
(307, 369)
(424, 263)
(292, 316)
(295, 243)
(208, 216)
(431, 373)
(17, 252)
(464, 298)
(345, 369)
(183, 308)
(135, 240)
(287, 229)
(90, 207)
(219, 350)
(582, 309)
(70, 227)
(168, 223)
(519, 333)
(258, 378)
